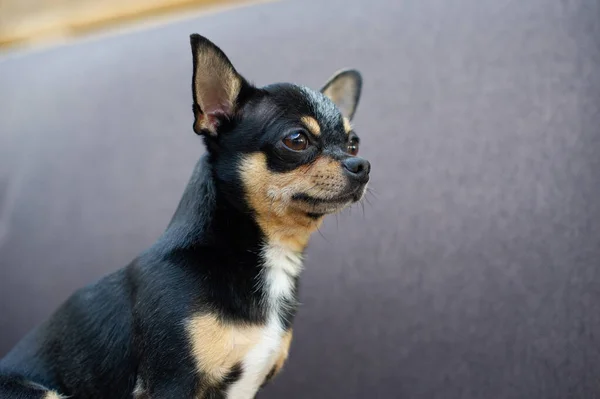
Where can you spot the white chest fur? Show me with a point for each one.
(281, 266)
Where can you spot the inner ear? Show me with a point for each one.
(343, 88)
(216, 85)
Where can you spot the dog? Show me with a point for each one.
(207, 311)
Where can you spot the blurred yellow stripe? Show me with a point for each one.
(47, 21)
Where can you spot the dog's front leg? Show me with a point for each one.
(165, 367)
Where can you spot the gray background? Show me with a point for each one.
(474, 271)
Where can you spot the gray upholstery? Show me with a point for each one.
(475, 270)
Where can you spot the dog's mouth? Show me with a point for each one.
(319, 206)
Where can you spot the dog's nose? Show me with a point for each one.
(357, 168)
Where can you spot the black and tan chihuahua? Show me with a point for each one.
(206, 312)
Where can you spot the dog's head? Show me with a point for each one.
(285, 152)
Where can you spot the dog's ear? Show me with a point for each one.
(216, 86)
(343, 88)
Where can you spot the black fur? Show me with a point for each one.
(128, 327)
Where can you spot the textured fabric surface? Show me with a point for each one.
(474, 273)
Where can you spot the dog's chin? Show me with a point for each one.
(319, 206)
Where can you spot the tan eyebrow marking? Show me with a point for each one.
(347, 125)
(312, 125)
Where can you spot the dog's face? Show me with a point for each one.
(287, 152)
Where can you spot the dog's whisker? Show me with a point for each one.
(372, 191)
(322, 235)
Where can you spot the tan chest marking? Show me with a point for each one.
(217, 346)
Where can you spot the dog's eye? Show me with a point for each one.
(353, 146)
(296, 141)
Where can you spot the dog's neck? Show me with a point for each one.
(204, 218)
(198, 202)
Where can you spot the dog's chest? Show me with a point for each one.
(255, 349)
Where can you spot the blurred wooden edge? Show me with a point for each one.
(48, 28)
